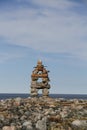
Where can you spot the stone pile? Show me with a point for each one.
(43, 114)
(39, 72)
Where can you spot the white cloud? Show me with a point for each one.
(48, 30)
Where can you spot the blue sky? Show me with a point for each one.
(54, 31)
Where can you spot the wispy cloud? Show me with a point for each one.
(6, 57)
(54, 26)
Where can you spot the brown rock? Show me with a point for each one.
(9, 128)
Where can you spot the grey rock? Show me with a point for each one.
(80, 123)
(42, 124)
(2, 117)
(23, 117)
(27, 123)
(29, 127)
(27, 113)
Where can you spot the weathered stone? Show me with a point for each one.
(17, 101)
(42, 124)
(9, 128)
(2, 117)
(28, 125)
(80, 123)
(45, 92)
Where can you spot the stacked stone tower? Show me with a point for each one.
(40, 73)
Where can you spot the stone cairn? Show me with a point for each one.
(40, 73)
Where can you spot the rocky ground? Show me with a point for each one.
(43, 114)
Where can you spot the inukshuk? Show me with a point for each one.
(40, 73)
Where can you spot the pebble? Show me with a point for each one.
(42, 114)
